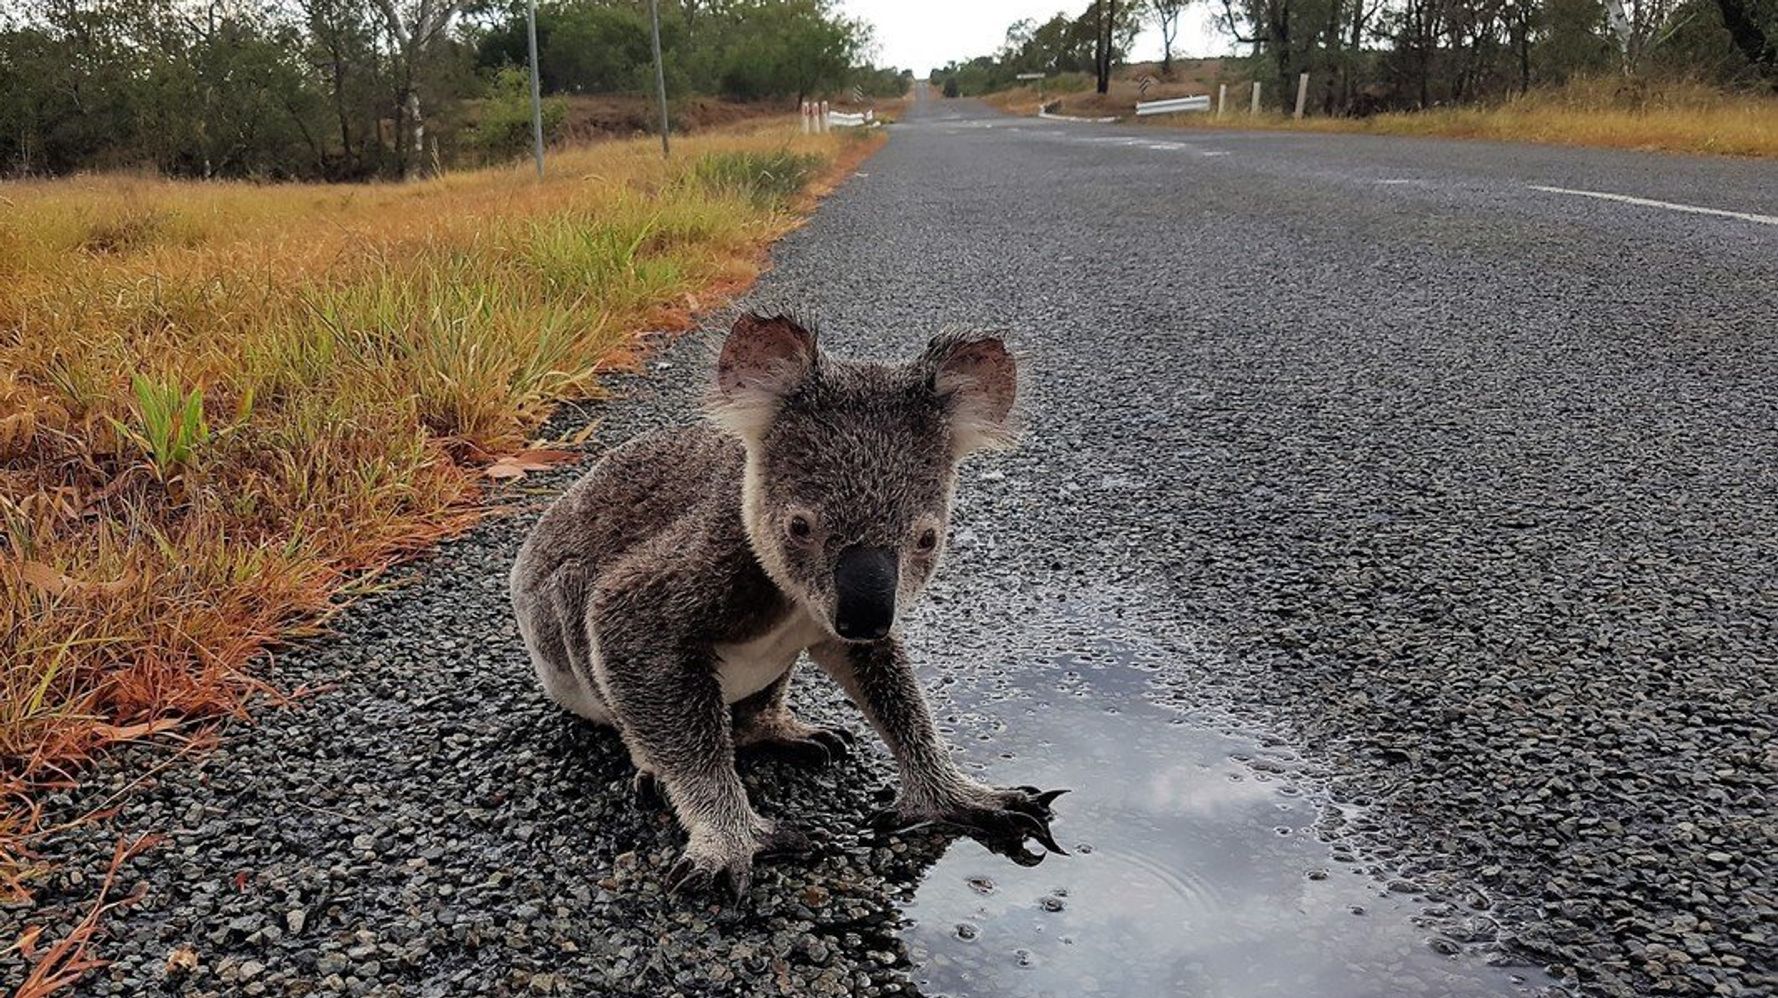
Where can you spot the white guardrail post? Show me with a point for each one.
(1302, 93)
(1222, 99)
(1255, 108)
(1173, 105)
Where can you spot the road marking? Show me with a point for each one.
(1214, 152)
(1164, 146)
(1669, 205)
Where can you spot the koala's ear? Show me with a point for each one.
(977, 379)
(762, 360)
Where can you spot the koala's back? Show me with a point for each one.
(685, 478)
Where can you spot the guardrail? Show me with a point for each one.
(818, 117)
(1174, 105)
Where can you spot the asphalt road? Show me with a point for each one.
(1462, 489)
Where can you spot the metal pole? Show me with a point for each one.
(536, 87)
(660, 71)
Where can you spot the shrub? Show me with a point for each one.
(767, 179)
(503, 128)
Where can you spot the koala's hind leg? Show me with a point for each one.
(551, 621)
(764, 722)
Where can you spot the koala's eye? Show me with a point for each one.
(800, 528)
(928, 539)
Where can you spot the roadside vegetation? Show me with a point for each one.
(1673, 75)
(225, 406)
(1608, 112)
(325, 90)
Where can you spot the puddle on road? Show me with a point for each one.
(1195, 872)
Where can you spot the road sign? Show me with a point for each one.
(1029, 76)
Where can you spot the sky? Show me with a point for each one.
(922, 34)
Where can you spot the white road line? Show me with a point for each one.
(1669, 205)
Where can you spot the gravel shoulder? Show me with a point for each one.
(1471, 494)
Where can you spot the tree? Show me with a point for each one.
(1107, 16)
(1758, 44)
(1166, 18)
(414, 28)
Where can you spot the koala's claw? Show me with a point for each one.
(1000, 819)
(730, 867)
(695, 874)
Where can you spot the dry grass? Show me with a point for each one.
(1680, 117)
(221, 404)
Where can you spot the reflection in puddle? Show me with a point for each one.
(1196, 868)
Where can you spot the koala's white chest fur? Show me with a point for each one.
(746, 667)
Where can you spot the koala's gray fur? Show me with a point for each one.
(669, 592)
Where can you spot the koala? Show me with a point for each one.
(670, 592)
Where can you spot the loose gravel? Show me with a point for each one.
(1472, 491)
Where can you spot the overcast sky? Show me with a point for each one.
(921, 34)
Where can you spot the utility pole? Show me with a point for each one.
(536, 87)
(660, 71)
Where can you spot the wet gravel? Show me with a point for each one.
(1465, 493)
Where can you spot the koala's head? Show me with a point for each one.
(851, 466)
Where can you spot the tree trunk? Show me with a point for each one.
(416, 130)
(1103, 47)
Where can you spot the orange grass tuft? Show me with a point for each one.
(222, 403)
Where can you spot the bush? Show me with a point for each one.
(951, 86)
(767, 179)
(503, 127)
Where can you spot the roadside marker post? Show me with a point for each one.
(1255, 108)
(660, 70)
(1302, 93)
(1222, 99)
(536, 88)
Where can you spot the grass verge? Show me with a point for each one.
(1677, 117)
(222, 406)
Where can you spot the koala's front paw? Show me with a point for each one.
(1001, 818)
(713, 861)
(727, 861)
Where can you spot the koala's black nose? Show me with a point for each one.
(864, 590)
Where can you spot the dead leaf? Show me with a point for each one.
(535, 459)
(44, 577)
(540, 458)
(132, 732)
(183, 960)
(241, 881)
(27, 942)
